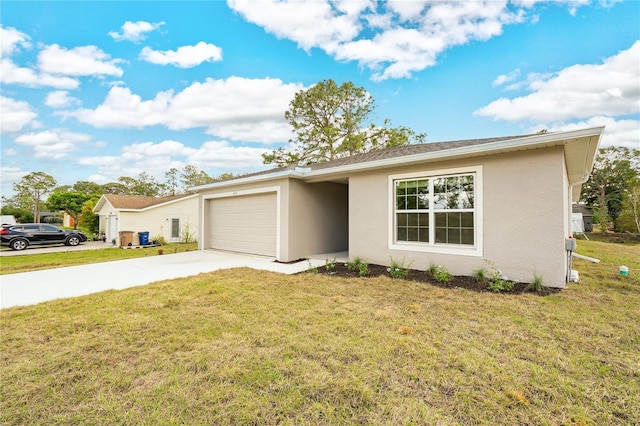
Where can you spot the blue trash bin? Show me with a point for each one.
(144, 238)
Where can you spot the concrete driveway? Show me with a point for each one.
(39, 286)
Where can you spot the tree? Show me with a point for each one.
(70, 202)
(629, 219)
(88, 219)
(192, 176)
(31, 189)
(87, 187)
(172, 180)
(329, 122)
(145, 185)
(614, 171)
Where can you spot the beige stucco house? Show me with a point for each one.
(459, 204)
(169, 217)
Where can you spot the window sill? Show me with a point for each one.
(458, 250)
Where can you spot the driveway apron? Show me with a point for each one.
(39, 286)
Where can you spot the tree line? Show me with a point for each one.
(37, 192)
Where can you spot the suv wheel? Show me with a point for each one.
(18, 244)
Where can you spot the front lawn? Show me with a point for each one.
(35, 262)
(250, 347)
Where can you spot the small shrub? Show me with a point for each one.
(159, 239)
(439, 273)
(501, 285)
(432, 270)
(398, 270)
(480, 275)
(443, 276)
(312, 269)
(358, 265)
(330, 265)
(535, 285)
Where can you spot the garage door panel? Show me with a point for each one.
(246, 224)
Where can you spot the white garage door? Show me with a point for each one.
(246, 224)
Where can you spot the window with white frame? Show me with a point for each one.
(435, 210)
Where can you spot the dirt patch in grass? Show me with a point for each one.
(457, 281)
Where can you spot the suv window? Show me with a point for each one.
(30, 228)
(49, 228)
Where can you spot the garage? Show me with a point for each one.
(245, 224)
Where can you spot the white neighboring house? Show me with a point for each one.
(175, 218)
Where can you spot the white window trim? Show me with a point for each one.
(478, 217)
(240, 193)
(171, 238)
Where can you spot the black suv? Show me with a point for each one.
(20, 236)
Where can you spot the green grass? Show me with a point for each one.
(249, 347)
(35, 262)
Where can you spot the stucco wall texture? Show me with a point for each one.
(524, 213)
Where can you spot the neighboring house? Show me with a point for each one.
(169, 217)
(585, 215)
(459, 204)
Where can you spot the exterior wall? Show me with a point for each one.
(318, 218)
(157, 220)
(524, 216)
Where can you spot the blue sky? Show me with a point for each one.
(96, 90)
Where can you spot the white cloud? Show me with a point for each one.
(15, 115)
(235, 108)
(55, 143)
(157, 158)
(60, 99)
(506, 78)
(617, 132)
(79, 61)
(12, 74)
(393, 39)
(185, 56)
(135, 31)
(577, 92)
(10, 39)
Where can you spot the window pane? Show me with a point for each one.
(441, 235)
(412, 187)
(453, 236)
(423, 220)
(401, 203)
(466, 236)
(424, 235)
(412, 234)
(453, 220)
(466, 220)
(402, 233)
(412, 202)
(412, 219)
(441, 220)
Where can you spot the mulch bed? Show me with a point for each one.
(458, 282)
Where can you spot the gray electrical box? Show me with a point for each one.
(570, 244)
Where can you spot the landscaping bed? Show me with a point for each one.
(342, 270)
